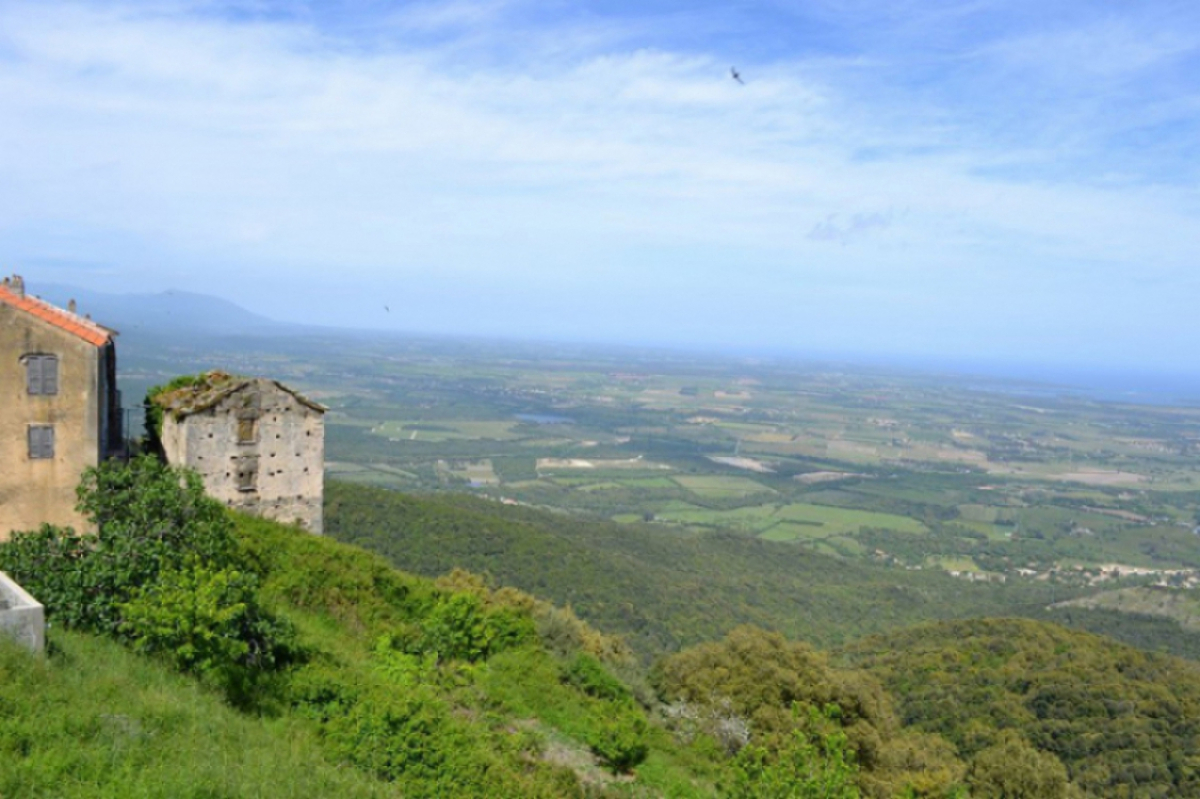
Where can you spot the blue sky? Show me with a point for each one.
(969, 180)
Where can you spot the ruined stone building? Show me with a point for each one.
(60, 411)
(258, 445)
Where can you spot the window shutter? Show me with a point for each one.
(33, 374)
(49, 374)
(41, 442)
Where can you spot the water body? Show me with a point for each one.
(542, 418)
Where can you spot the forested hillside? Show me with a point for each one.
(1124, 722)
(664, 590)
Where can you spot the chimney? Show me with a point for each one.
(18, 285)
(71, 306)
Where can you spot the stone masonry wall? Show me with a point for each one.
(259, 450)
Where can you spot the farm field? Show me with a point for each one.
(959, 473)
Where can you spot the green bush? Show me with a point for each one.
(162, 571)
(148, 518)
(588, 675)
(460, 627)
(810, 765)
(619, 739)
(209, 622)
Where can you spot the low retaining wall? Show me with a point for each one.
(21, 616)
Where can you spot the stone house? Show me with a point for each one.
(258, 445)
(60, 411)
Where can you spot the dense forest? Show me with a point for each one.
(664, 590)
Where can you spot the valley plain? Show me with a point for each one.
(988, 480)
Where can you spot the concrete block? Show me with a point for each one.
(22, 616)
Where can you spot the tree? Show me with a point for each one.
(810, 765)
(162, 571)
(1013, 769)
(147, 517)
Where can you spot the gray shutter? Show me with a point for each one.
(41, 441)
(33, 374)
(50, 374)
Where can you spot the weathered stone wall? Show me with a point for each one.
(259, 450)
(37, 491)
(21, 616)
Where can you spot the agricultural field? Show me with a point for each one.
(972, 476)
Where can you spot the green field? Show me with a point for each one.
(1009, 477)
(721, 485)
(447, 431)
(793, 521)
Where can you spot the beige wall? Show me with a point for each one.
(33, 492)
(288, 445)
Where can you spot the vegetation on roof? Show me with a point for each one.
(183, 395)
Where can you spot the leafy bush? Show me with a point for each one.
(808, 766)
(460, 627)
(586, 674)
(209, 623)
(619, 738)
(148, 518)
(161, 570)
(1012, 769)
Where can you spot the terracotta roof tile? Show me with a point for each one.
(85, 329)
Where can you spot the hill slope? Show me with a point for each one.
(662, 590)
(1124, 722)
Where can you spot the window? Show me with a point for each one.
(247, 473)
(245, 431)
(41, 441)
(41, 374)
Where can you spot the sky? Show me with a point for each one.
(1002, 181)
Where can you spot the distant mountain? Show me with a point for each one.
(167, 312)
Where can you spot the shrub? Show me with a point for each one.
(619, 739)
(810, 765)
(148, 518)
(162, 570)
(458, 626)
(209, 623)
(588, 675)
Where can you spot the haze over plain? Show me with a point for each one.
(994, 180)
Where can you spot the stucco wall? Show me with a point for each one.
(43, 490)
(287, 453)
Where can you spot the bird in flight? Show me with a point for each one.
(733, 73)
(389, 310)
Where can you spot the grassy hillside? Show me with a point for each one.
(263, 647)
(664, 590)
(200, 654)
(95, 720)
(405, 687)
(1125, 723)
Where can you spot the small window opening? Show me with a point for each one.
(41, 441)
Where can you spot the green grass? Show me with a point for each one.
(720, 485)
(793, 521)
(447, 430)
(93, 720)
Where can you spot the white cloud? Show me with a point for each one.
(272, 144)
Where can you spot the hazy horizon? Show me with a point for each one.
(998, 182)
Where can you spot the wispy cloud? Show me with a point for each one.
(557, 147)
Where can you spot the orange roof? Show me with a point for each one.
(85, 329)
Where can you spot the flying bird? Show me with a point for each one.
(733, 73)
